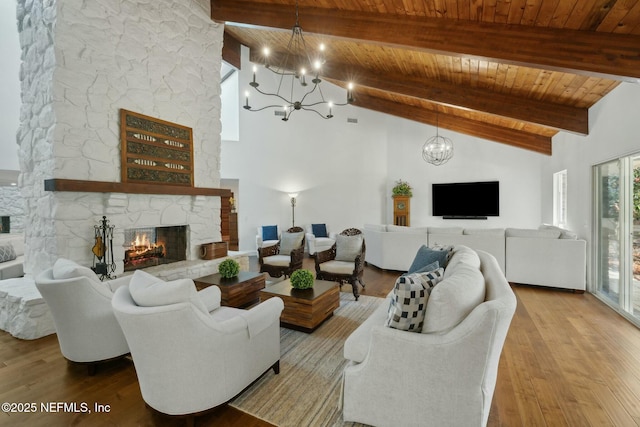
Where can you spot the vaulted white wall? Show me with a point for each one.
(344, 172)
(614, 132)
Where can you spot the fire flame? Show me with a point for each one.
(141, 241)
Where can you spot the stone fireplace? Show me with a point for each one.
(151, 246)
(161, 59)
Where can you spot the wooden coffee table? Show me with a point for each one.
(240, 291)
(304, 309)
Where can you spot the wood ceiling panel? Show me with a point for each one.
(450, 80)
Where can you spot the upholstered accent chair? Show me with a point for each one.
(190, 354)
(268, 235)
(319, 238)
(285, 256)
(80, 304)
(344, 261)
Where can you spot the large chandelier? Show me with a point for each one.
(294, 91)
(438, 149)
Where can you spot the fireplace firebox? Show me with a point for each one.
(150, 246)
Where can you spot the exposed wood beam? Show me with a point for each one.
(598, 54)
(231, 50)
(516, 138)
(557, 116)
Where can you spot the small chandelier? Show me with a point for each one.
(294, 92)
(437, 150)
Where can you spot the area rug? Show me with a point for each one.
(307, 390)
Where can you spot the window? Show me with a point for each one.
(230, 113)
(560, 198)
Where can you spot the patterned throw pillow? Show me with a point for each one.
(7, 252)
(409, 301)
(446, 248)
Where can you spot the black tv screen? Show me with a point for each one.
(466, 199)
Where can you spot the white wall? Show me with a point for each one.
(614, 132)
(474, 159)
(338, 168)
(10, 87)
(344, 172)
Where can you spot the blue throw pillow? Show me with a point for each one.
(426, 256)
(319, 230)
(269, 232)
(427, 268)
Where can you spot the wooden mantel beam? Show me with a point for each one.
(81, 186)
(610, 55)
(557, 116)
(529, 141)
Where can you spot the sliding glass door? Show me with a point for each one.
(617, 234)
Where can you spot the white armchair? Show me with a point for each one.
(80, 305)
(190, 358)
(267, 235)
(444, 378)
(319, 238)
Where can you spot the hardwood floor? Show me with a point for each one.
(568, 361)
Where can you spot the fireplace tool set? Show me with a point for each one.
(103, 262)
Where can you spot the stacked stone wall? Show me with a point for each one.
(83, 61)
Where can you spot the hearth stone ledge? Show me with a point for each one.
(193, 269)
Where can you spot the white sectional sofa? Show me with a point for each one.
(548, 256)
(13, 268)
(484, 239)
(392, 247)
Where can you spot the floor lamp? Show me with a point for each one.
(293, 196)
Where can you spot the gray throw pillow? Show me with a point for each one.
(348, 247)
(290, 241)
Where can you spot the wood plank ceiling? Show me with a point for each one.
(511, 71)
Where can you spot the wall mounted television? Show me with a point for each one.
(466, 200)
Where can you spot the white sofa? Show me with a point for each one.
(548, 256)
(14, 268)
(438, 377)
(484, 239)
(392, 247)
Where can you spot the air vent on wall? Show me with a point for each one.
(279, 113)
(352, 120)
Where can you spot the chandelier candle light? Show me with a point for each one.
(294, 92)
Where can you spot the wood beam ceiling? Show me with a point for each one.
(599, 54)
(512, 137)
(557, 116)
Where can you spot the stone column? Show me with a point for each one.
(84, 60)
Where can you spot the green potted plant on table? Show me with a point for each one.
(301, 279)
(229, 268)
(402, 188)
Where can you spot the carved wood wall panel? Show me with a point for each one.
(155, 151)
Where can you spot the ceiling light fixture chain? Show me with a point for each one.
(293, 89)
(437, 150)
